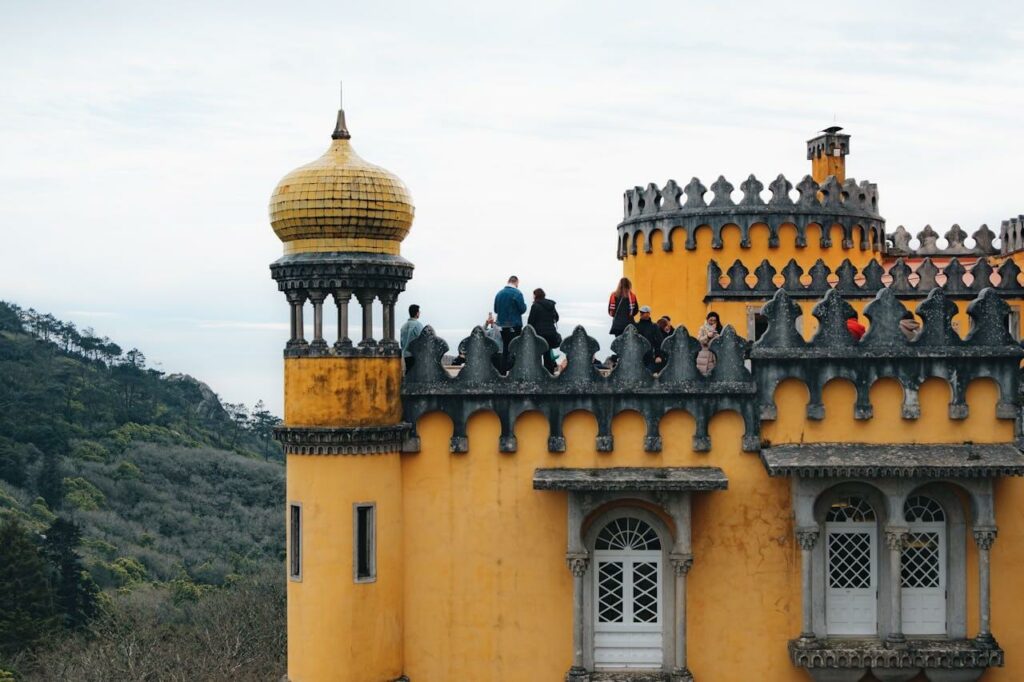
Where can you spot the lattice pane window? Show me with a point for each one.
(921, 561)
(627, 533)
(921, 509)
(849, 560)
(645, 592)
(609, 592)
(850, 510)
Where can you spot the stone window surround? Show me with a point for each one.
(372, 530)
(588, 514)
(887, 496)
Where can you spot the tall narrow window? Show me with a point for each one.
(295, 541)
(365, 543)
(923, 570)
(850, 531)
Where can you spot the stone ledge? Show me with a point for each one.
(356, 440)
(917, 654)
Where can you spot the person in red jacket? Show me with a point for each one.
(855, 328)
(622, 306)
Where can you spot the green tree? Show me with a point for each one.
(26, 598)
(50, 481)
(75, 592)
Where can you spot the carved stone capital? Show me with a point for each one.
(807, 537)
(578, 563)
(316, 297)
(681, 563)
(896, 538)
(985, 536)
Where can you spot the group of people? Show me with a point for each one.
(509, 306)
(623, 308)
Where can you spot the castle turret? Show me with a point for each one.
(827, 154)
(342, 221)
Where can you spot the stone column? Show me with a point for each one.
(681, 564)
(366, 301)
(388, 300)
(341, 299)
(807, 538)
(297, 300)
(896, 540)
(317, 297)
(983, 538)
(579, 563)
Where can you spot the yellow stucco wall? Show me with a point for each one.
(487, 595)
(338, 629)
(342, 391)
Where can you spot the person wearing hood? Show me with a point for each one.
(909, 326)
(544, 318)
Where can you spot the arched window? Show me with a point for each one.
(628, 623)
(851, 563)
(923, 570)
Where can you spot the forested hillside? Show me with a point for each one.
(133, 504)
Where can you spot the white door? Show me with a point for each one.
(851, 564)
(628, 596)
(923, 571)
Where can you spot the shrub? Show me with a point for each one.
(81, 494)
(90, 451)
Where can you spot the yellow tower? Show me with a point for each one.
(342, 220)
(827, 154)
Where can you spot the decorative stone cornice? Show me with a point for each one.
(356, 440)
(849, 205)
(921, 654)
(364, 349)
(351, 272)
(984, 537)
(807, 537)
(896, 460)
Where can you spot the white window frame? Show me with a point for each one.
(371, 543)
(834, 595)
(295, 542)
(912, 598)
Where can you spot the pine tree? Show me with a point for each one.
(50, 481)
(76, 593)
(26, 598)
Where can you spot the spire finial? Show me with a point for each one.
(340, 129)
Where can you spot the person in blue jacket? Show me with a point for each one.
(509, 305)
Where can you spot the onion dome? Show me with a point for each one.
(341, 203)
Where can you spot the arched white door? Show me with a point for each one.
(923, 571)
(628, 603)
(852, 575)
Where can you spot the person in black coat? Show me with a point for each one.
(650, 331)
(544, 318)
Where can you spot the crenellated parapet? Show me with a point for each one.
(1011, 235)
(851, 205)
(743, 380)
(953, 279)
(885, 351)
(630, 386)
(897, 243)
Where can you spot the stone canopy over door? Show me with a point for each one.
(629, 552)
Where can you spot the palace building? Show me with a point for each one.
(818, 507)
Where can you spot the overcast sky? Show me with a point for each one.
(140, 142)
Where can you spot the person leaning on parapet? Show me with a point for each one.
(493, 332)
(855, 328)
(650, 331)
(409, 331)
(509, 306)
(622, 306)
(544, 318)
(709, 331)
(665, 325)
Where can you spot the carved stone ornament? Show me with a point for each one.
(578, 563)
(358, 440)
(681, 563)
(896, 538)
(985, 537)
(807, 538)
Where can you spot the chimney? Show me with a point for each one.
(827, 153)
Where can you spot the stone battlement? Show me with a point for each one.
(953, 279)
(743, 380)
(898, 242)
(847, 204)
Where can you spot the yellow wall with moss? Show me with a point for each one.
(342, 391)
(338, 629)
